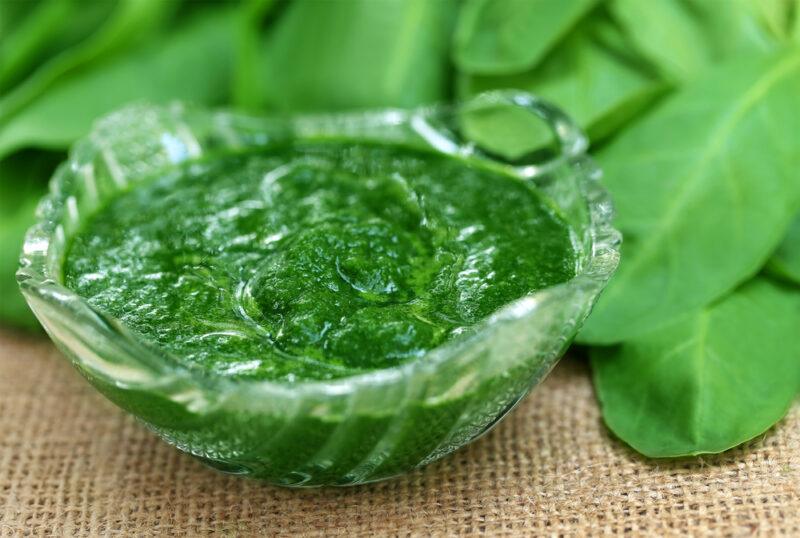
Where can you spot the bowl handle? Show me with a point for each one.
(445, 132)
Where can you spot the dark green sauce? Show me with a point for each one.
(316, 261)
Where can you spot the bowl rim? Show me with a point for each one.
(34, 280)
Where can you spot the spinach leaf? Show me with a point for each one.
(32, 30)
(358, 54)
(705, 188)
(795, 23)
(707, 381)
(130, 21)
(192, 64)
(247, 89)
(786, 260)
(601, 86)
(499, 37)
(23, 180)
(682, 37)
(776, 16)
(13, 15)
(13, 309)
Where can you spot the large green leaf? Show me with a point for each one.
(358, 54)
(192, 64)
(247, 87)
(795, 24)
(683, 37)
(33, 31)
(705, 188)
(30, 28)
(709, 381)
(13, 15)
(13, 309)
(130, 21)
(777, 16)
(599, 87)
(499, 37)
(23, 180)
(786, 260)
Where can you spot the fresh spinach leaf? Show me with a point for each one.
(358, 54)
(500, 37)
(785, 263)
(23, 180)
(13, 15)
(13, 309)
(705, 188)
(247, 89)
(130, 21)
(795, 22)
(683, 37)
(13, 224)
(601, 87)
(776, 16)
(193, 64)
(708, 381)
(32, 30)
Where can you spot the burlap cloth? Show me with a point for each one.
(72, 464)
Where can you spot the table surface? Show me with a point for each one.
(72, 464)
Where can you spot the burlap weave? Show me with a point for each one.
(71, 464)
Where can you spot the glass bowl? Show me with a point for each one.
(349, 430)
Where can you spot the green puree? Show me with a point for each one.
(316, 261)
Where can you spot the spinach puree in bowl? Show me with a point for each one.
(316, 260)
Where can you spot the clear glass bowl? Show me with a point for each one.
(351, 430)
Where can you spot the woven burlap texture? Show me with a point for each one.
(71, 464)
